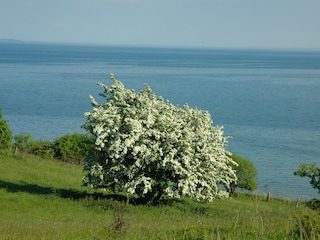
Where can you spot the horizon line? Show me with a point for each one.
(13, 40)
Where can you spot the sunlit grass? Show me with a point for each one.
(44, 199)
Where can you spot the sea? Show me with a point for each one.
(267, 100)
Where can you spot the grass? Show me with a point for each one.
(44, 199)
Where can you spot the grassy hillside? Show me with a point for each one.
(44, 199)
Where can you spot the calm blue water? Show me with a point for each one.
(268, 101)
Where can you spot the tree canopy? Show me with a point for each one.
(148, 147)
(311, 171)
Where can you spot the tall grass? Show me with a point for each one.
(44, 199)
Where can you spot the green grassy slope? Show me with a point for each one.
(44, 199)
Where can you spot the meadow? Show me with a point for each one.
(44, 199)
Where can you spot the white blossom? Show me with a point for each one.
(144, 142)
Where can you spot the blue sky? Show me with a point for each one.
(176, 23)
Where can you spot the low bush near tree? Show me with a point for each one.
(42, 148)
(70, 148)
(5, 133)
(246, 175)
(73, 148)
(22, 143)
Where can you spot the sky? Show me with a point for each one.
(166, 23)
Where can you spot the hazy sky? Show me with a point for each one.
(184, 23)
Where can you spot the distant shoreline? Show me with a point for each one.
(5, 40)
(9, 40)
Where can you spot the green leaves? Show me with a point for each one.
(246, 174)
(5, 133)
(311, 171)
(152, 147)
(73, 148)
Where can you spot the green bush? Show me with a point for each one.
(68, 148)
(43, 149)
(73, 148)
(5, 133)
(22, 143)
(314, 204)
(246, 173)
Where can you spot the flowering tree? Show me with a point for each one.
(149, 147)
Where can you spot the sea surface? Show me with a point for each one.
(267, 100)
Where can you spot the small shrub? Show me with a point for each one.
(120, 224)
(246, 173)
(73, 148)
(22, 143)
(43, 149)
(5, 133)
(314, 204)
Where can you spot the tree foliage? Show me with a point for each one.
(73, 148)
(311, 171)
(42, 148)
(22, 143)
(246, 174)
(149, 147)
(5, 133)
